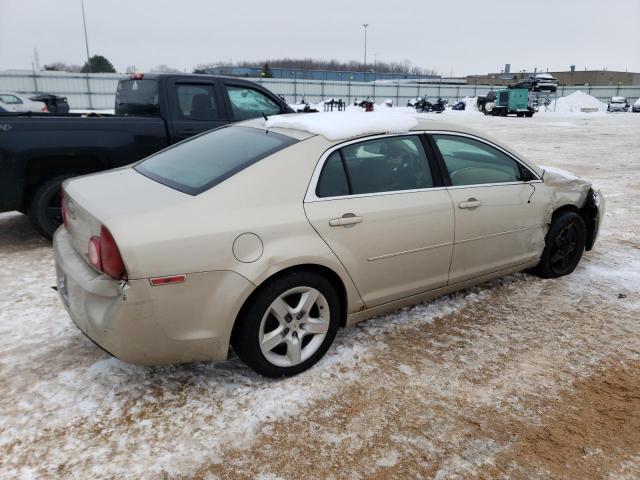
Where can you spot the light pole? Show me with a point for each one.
(86, 39)
(365, 25)
(86, 44)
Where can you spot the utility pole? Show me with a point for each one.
(86, 39)
(86, 44)
(365, 25)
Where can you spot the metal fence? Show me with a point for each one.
(97, 91)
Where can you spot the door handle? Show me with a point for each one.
(187, 131)
(346, 220)
(470, 204)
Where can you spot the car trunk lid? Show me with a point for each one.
(108, 198)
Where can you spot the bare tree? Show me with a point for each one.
(62, 67)
(404, 67)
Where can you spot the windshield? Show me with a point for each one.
(206, 160)
(137, 97)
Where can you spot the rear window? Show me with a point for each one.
(10, 99)
(200, 163)
(137, 97)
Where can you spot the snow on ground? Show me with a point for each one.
(520, 378)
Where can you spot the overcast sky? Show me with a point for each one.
(459, 36)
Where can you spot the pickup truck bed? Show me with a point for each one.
(39, 151)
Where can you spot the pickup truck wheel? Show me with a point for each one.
(44, 209)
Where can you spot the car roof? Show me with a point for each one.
(422, 125)
(156, 76)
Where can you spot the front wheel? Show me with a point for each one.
(288, 325)
(564, 246)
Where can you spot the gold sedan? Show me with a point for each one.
(270, 236)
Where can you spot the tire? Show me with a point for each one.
(564, 246)
(44, 208)
(277, 312)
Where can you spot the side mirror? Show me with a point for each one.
(526, 175)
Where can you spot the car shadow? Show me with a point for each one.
(17, 233)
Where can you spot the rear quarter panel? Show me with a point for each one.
(198, 234)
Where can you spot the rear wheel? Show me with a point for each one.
(565, 244)
(288, 325)
(44, 210)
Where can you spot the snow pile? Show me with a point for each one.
(352, 123)
(575, 102)
(470, 103)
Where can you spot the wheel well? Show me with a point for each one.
(44, 168)
(588, 212)
(564, 208)
(332, 276)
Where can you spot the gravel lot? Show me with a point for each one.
(519, 378)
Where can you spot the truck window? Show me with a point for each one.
(137, 97)
(197, 102)
(200, 163)
(249, 103)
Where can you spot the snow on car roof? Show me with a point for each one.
(349, 124)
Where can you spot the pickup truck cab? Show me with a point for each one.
(152, 111)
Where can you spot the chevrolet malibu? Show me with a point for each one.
(270, 235)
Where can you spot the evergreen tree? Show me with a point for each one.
(98, 64)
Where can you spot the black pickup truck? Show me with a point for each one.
(39, 151)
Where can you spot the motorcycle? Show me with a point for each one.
(423, 105)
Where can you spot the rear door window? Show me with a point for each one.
(197, 102)
(249, 103)
(199, 164)
(137, 97)
(333, 179)
(381, 165)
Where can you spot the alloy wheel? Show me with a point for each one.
(294, 326)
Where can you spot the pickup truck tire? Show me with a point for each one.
(44, 209)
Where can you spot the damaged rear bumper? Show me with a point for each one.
(142, 324)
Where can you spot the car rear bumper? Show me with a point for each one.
(144, 324)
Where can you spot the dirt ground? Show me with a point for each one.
(520, 378)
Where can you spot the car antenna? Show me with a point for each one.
(264, 116)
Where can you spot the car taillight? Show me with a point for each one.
(136, 76)
(105, 256)
(63, 208)
(44, 109)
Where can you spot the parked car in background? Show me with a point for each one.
(13, 102)
(152, 111)
(636, 106)
(270, 236)
(538, 83)
(618, 104)
(54, 103)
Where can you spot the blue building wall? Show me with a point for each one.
(299, 74)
